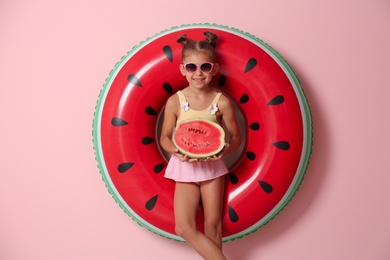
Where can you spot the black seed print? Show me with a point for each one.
(251, 155)
(233, 178)
(221, 81)
(276, 100)
(254, 126)
(252, 62)
(168, 52)
(168, 88)
(150, 111)
(124, 166)
(147, 140)
(151, 203)
(266, 186)
(244, 98)
(158, 168)
(232, 214)
(133, 79)
(283, 145)
(116, 121)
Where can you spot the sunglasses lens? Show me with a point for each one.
(191, 67)
(206, 67)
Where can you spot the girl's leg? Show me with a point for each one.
(212, 193)
(186, 203)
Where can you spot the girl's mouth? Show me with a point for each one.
(198, 80)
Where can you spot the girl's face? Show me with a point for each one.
(198, 79)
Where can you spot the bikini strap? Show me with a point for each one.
(181, 96)
(217, 97)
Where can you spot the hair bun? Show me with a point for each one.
(211, 38)
(182, 39)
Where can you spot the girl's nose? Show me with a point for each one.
(198, 70)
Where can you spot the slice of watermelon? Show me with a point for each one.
(198, 138)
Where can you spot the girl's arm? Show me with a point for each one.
(229, 118)
(169, 124)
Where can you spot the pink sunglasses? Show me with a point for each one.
(205, 67)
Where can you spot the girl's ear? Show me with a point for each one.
(215, 68)
(182, 70)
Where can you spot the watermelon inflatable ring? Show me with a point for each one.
(276, 125)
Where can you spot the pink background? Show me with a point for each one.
(54, 59)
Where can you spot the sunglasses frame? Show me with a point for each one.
(199, 66)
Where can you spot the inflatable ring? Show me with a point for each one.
(276, 125)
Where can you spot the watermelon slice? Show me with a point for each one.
(199, 138)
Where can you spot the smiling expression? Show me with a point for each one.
(198, 79)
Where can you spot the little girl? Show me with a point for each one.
(199, 179)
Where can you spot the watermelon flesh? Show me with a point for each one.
(198, 138)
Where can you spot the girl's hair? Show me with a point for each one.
(206, 46)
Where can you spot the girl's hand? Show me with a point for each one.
(218, 157)
(183, 157)
(214, 158)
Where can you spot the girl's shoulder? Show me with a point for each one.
(173, 100)
(224, 102)
(223, 98)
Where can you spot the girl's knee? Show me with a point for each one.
(213, 230)
(213, 226)
(184, 230)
